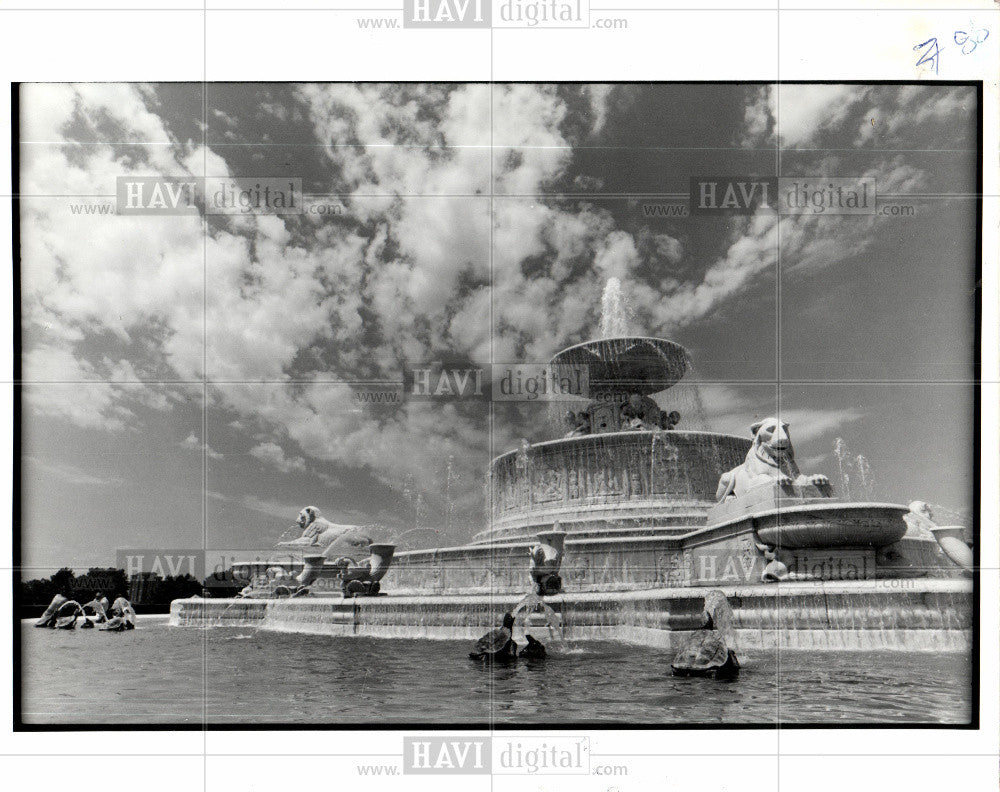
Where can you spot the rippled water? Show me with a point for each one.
(160, 674)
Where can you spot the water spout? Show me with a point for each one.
(532, 603)
(396, 539)
(616, 313)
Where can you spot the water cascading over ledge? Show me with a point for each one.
(927, 615)
(610, 483)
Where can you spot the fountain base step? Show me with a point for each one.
(906, 615)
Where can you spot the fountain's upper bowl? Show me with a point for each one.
(628, 363)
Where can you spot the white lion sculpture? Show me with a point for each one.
(327, 537)
(771, 458)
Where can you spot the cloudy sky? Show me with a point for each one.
(193, 379)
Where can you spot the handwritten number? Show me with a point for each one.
(932, 55)
(968, 41)
(930, 51)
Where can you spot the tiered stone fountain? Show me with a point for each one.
(620, 522)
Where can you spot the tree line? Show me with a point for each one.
(148, 592)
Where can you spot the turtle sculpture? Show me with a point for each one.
(98, 609)
(121, 617)
(534, 650)
(48, 619)
(66, 616)
(710, 651)
(497, 644)
(67, 622)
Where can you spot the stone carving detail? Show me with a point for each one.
(577, 424)
(624, 468)
(688, 560)
(670, 476)
(610, 483)
(479, 574)
(546, 557)
(576, 491)
(580, 570)
(748, 555)
(603, 417)
(508, 488)
(635, 483)
(548, 486)
(670, 570)
(363, 578)
(607, 570)
(770, 459)
(639, 412)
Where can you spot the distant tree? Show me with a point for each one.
(223, 584)
(36, 592)
(181, 586)
(63, 582)
(147, 588)
(109, 581)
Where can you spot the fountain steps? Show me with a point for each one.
(907, 615)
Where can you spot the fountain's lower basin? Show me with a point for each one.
(823, 538)
(911, 615)
(836, 525)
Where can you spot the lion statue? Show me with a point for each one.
(327, 537)
(771, 458)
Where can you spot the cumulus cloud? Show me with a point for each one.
(798, 113)
(99, 395)
(881, 115)
(733, 409)
(424, 264)
(896, 114)
(274, 455)
(192, 443)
